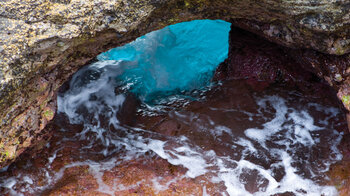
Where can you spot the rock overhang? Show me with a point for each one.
(42, 43)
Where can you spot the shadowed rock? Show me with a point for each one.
(43, 42)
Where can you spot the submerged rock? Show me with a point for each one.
(43, 42)
(229, 140)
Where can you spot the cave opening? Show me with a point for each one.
(195, 108)
(178, 58)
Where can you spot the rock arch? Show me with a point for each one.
(42, 43)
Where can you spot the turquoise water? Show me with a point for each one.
(234, 141)
(178, 58)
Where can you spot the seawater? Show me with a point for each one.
(228, 139)
(177, 58)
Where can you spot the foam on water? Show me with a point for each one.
(290, 131)
(92, 90)
(273, 157)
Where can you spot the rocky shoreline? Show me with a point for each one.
(42, 43)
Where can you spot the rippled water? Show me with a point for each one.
(179, 57)
(241, 141)
(212, 138)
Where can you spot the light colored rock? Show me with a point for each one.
(42, 42)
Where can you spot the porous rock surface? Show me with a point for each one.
(43, 42)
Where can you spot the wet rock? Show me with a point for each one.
(138, 177)
(340, 173)
(262, 63)
(253, 176)
(126, 114)
(47, 40)
(74, 164)
(76, 181)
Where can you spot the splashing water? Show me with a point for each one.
(179, 57)
(229, 140)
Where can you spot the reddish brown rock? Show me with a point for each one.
(340, 173)
(262, 63)
(47, 41)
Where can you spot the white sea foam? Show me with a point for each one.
(289, 130)
(276, 144)
(92, 90)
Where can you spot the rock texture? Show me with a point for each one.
(262, 63)
(42, 42)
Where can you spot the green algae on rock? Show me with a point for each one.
(42, 42)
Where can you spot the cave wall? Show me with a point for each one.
(43, 42)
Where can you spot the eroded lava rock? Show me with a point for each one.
(43, 42)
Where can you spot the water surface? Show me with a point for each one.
(146, 119)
